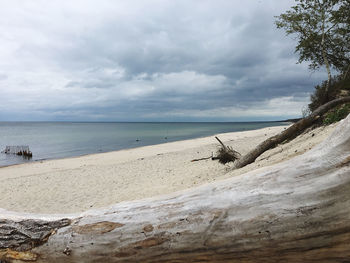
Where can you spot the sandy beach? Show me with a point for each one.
(98, 180)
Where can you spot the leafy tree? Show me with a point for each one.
(339, 87)
(323, 33)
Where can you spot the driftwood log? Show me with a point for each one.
(295, 211)
(290, 133)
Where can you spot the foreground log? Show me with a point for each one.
(296, 211)
(290, 133)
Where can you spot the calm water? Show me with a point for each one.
(50, 140)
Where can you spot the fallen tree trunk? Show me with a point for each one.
(288, 134)
(296, 211)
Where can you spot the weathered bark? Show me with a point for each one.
(17, 238)
(296, 211)
(289, 133)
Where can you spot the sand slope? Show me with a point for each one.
(92, 181)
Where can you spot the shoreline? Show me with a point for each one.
(80, 183)
(288, 123)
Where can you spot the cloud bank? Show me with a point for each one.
(155, 60)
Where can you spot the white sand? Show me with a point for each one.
(98, 180)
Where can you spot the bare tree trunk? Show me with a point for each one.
(324, 55)
(296, 211)
(289, 133)
(346, 73)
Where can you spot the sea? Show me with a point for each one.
(54, 140)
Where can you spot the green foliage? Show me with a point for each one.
(322, 28)
(305, 111)
(338, 87)
(319, 96)
(336, 114)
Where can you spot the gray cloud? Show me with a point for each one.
(148, 60)
(3, 76)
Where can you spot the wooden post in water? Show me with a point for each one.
(18, 150)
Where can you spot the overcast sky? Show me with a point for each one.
(165, 60)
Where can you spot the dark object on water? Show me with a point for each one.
(25, 153)
(19, 150)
